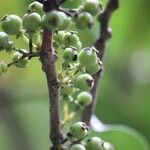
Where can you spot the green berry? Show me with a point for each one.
(84, 82)
(36, 7)
(77, 147)
(3, 68)
(95, 143)
(84, 98)
(93, 69)
(70, 55)
(66, 21)
(67, 89)
(52, 20)
(107, 146)
(70, 39)
(31, 22)
(4, 42)
(12, 24)
(21, 63)
(92, 6)
(84, 20)
(87, 57)
(79, 130)
(59, 37)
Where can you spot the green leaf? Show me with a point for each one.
(123, 138)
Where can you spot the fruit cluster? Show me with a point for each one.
(78, 63)
(78, 133)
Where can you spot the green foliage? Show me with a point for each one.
(123, 138)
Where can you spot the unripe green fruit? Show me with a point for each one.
(66, 21)
(95, 143)
(87, 56)
(52, 20)
(12, 24)
(21, 63)
(70, 39)
(31, 22)
(107, 146)
(4, 41)
(70, 55)
(92, 6)
(93, 69)
(84, 82)
(59, 37)
(36, 7)
(84, 20)
(67, 89)
(77, 147)
(84, 98)
(79, 130)
(3, 68)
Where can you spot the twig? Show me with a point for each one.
(48, 58)
(24, 55)
(100, 44)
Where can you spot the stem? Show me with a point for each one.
(48, 58)
(26, 40)
(100, 45)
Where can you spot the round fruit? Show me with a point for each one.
(84, 20)
(93, 69)
(59, 37)
(108, 146)
(70, 39)
(36, 7)
(4, 40)
(67, 89)
(52, 20)
(11, 24)
(87, 57)
(79, 130)
(21, 63)
(3, 68)
(77, 147)
(66, 21)
(70, 55)
(92, 6)
(84, 98)
(31, 21)
(95, 143)
(84, 82)
(5, 43)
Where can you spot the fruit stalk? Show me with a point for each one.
(48, 58)
(100, 45)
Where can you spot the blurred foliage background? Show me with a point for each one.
(124, 94)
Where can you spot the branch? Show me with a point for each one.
(24, 55)
(48, 58)
(100, 45)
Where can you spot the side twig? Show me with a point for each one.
(100, 45)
